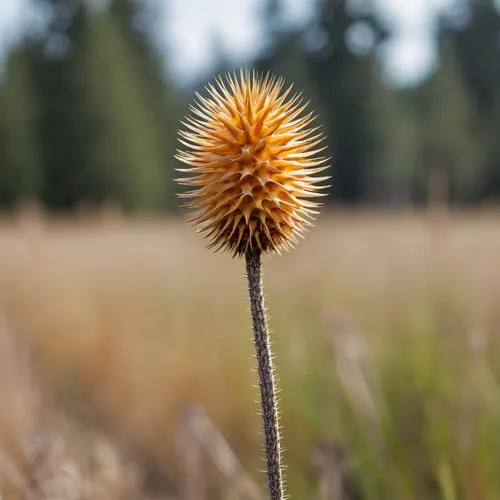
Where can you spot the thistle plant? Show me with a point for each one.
(252, 157)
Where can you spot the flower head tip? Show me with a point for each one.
(251, 155)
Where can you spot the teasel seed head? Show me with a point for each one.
(252, 157)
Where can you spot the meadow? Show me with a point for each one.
(385, 329)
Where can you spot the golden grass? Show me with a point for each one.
(128, 321)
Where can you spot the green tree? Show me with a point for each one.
(477, 48)
(475, 39)
(106, 116)
(125, 157)
(164, 101)
(452, 143)
(63, 153)
(389, 174)
(20, 170)
(354, 100)
(96, 98)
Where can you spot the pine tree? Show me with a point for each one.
(20, 172)
(164, 101)
(349, 86)
(63, 148)
(477, 50)
(103, 114)
(451, 136)
(124, 155)
(390, 173)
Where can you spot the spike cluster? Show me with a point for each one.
(252, 154)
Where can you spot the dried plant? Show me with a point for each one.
(336, 481)
(251, 159)
(200, 439)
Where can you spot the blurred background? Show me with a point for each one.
(92, 92)
(126, 366)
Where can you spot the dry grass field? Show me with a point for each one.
(385, 327)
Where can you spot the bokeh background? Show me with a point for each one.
(126, 363)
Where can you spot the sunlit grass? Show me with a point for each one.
(130, 320)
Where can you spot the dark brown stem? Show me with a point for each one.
(266, 376)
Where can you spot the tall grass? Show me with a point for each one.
(387, 330)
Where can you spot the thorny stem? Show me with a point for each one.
(266, 376)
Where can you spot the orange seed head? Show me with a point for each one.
(252, 156)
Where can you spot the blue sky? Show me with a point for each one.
(189, 26)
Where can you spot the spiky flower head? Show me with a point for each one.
(252, 155)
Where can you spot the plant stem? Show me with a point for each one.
(266, 375)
